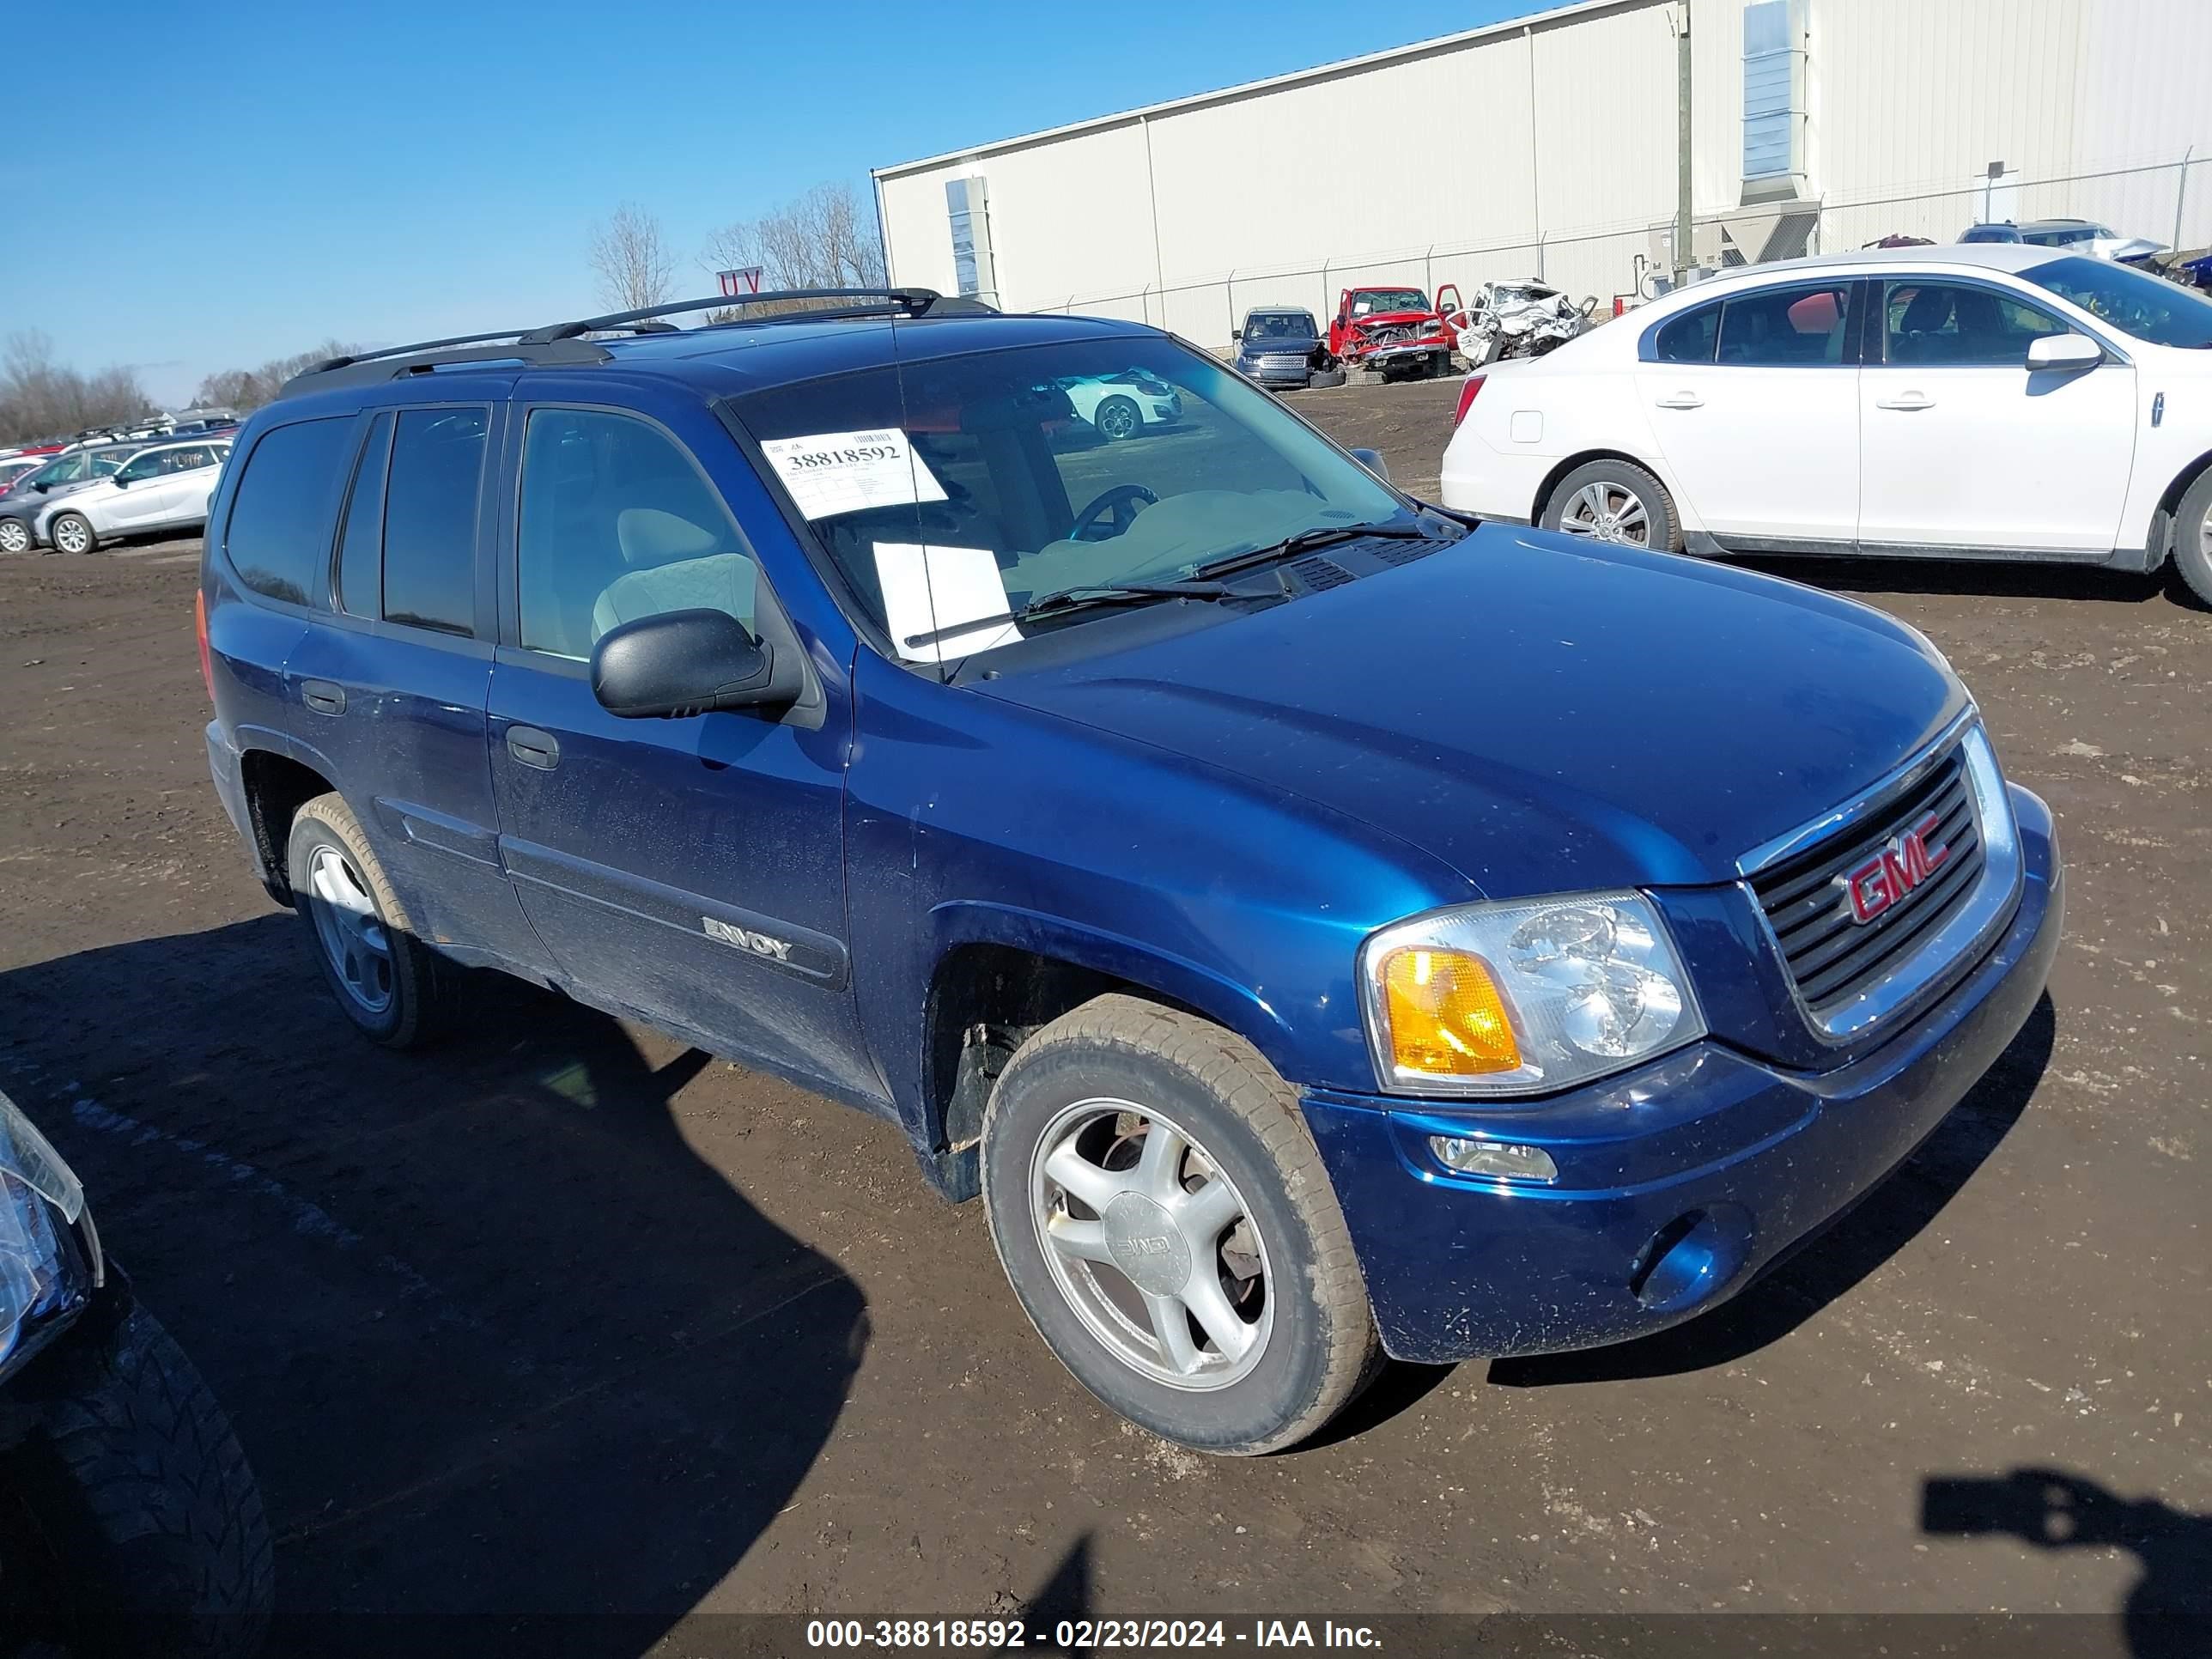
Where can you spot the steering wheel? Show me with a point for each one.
(1123, 501)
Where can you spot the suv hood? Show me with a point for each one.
(1543, 714)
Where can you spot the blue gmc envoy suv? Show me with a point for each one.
(1318, 925)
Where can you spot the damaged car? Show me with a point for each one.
(1393, 333)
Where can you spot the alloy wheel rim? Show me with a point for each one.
(1119, 423)
(14, 539)
(1608, 512)
(69, 536)
(353, 934)
(1152, 1244)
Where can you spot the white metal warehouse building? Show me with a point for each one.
(1547, 146)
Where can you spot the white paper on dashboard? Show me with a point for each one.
(832, 472)
(926, 588)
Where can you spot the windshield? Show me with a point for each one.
(2066, 236)
(11, 470)
(2150, 308)
(1001, 477)
(1370, 300)
(1279, 326)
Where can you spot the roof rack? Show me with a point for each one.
(565, 344)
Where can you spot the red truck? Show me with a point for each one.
(1393, 330)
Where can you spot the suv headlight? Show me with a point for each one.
(40, 1197)
(1523, 997)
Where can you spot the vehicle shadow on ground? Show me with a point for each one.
(1830, 1263)
(518, 1370)
(2168, 1613)
(1995, 579)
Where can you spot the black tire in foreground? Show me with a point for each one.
(1162, 1212)
(152, 1518)
(2192, 539)
(395, 989)
(1323, 379)
(1614, 502)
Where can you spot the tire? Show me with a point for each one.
(2192, 539)
(72, 532)
(1322, 378)
(1614, 502)
(1272, 1247)
(154, 1520)
(14, 535)
(1118, 418)
(397, 990)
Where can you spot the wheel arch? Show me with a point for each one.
(2162, 531)
(276, 786)
(1000, 973)
(1584, 458)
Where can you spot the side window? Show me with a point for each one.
(1957, 325)
(278, 539)
(430, 500)
(617, 523)
(141, 468)
(1689, 337)
(361, 542)
(1786, 327)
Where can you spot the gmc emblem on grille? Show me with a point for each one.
(1893, 875)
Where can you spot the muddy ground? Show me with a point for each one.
(563, 1318)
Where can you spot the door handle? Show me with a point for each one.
(533, 747)
(1682, 400)
(1907, 400)
(322, 696)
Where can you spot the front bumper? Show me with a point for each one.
(1677, 1183)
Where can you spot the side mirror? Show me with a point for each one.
(120, 482)
(2063, 352)
(689, 662)
(1373, 461)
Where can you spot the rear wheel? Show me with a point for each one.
(1118, 418)
(2192, 539)
(395, 989)
(71, 532)
(1165, 1218)
(1614, 501)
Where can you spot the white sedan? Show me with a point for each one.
(1120, 405)
(1985, 402)
(162, 487)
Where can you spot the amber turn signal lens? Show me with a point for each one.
(1446, 1017)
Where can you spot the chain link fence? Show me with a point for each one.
(2168, 202)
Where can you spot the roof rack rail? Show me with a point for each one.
(564, 344)
(915, 301)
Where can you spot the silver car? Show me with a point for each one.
(165, 486)
(28, 499)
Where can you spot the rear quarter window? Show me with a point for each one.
(278, 538)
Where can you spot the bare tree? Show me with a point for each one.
(630, 259)
(826, 238)
(244, 389)
(41, 397)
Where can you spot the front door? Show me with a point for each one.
(1754, 403)
(690, 871)
(1965, 449)
(146, 492)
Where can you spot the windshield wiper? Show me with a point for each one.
(1326, 535)
(1079, 599)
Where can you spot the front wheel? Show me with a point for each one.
(72, 533)
(1162, 1214)
(2192, 539)
(14, 536)
(1614, 502)
(151, 1523)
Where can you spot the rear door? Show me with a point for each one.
(390, 680)
(1965, 451)
(1753, 401)
(689, 871)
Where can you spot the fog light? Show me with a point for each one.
(1499, 1159)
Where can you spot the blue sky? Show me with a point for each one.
(251, 177)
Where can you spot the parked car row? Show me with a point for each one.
(97, 492)
(1986, 401)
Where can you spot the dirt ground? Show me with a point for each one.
(563, 1318)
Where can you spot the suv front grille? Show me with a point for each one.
(1833, 957)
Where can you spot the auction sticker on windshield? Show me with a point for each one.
(833, 472)
(928, 589)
